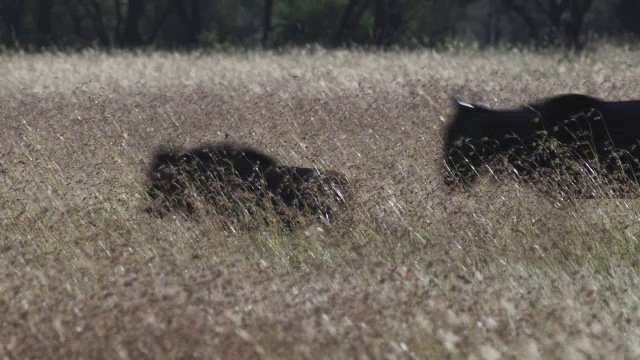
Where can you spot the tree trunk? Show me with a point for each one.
(11, 13)
(490, 32)
(266, 22)
(131, 36)
(76, 19)
(380, 22)
(192, 23)
(196, 22)
(395, 21)
(388, 20)
(159, 21)
(346, 21)
(94, 10)
(117, 34)
(573, 27)
(628, 12)
(529, 21)
(554, 12)
(43, 27)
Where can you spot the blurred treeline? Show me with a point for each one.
(332, 23)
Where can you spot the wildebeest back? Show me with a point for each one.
(225, 175)
(477, 135)
(172, 167)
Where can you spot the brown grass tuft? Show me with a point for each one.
(415, 271)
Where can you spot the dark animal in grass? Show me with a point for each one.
(215, 173)
(538, 137)
(237, 181)
(308, 190)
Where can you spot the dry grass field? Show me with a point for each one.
(409, 270)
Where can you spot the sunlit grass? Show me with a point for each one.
(411, 269)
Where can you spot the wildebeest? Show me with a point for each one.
(232, 179)
(599, 134)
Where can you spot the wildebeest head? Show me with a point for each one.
(477, 133)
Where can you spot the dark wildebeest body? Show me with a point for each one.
(224, 175)
(173, 171)
(596, 132)
(308, 189)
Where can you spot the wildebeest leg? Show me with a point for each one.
(461, 166)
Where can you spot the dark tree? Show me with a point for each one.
(563, 20)
(553, 10)
(94, 10)
(131, 36)
(44, 29)
(352, 13)
(160, 21)
(574, 23)
(628, 12)
(388, 19)
(491, 26)
(71, 6)
(117, 5)
(11, 14)
(182, 23)
(191, 20)
(566, 19)
(524, 14)
(196, 21)
(266, 22)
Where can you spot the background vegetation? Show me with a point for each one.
(332, 23)
(409, 271)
